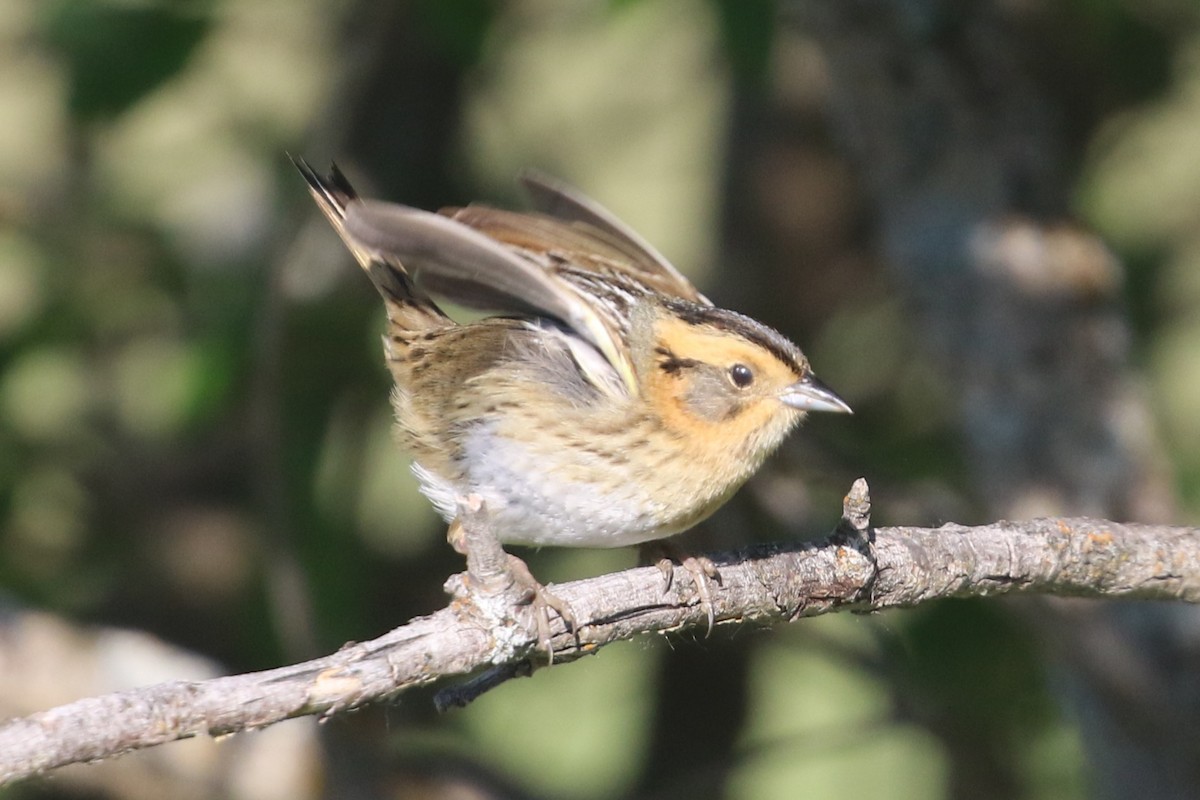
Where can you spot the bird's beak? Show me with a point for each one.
(809, 394)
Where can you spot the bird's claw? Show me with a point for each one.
(541, 600)
(701, 569)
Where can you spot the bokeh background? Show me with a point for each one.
(978, 218)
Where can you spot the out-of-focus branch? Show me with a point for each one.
(857, 569)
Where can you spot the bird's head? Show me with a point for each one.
(725, 380)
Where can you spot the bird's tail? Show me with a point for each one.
(408, 308)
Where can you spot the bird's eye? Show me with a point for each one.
(741, 375)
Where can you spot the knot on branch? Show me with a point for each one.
(856, 509)
(855, 528)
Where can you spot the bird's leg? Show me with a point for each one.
(665, 554)
(496, 573)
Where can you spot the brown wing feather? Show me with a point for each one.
(566, 203)
(467, 266)
(536, 232)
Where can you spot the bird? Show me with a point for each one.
(606, 403)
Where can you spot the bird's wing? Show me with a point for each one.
(472, 267)
(567, 204)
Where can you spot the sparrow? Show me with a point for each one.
(609, 403)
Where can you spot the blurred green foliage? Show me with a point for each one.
(116, 53)
(459, 27)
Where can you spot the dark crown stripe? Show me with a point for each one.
(722, 319)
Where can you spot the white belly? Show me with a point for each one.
(531, 505)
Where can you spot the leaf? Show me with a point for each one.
(116, 54)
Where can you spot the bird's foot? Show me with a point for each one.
(703, 572)
(540, 601)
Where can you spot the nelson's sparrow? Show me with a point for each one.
(612, 405)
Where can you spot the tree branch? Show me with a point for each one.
(857, 569)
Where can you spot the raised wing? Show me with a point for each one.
(642, 259)
(452, 258)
